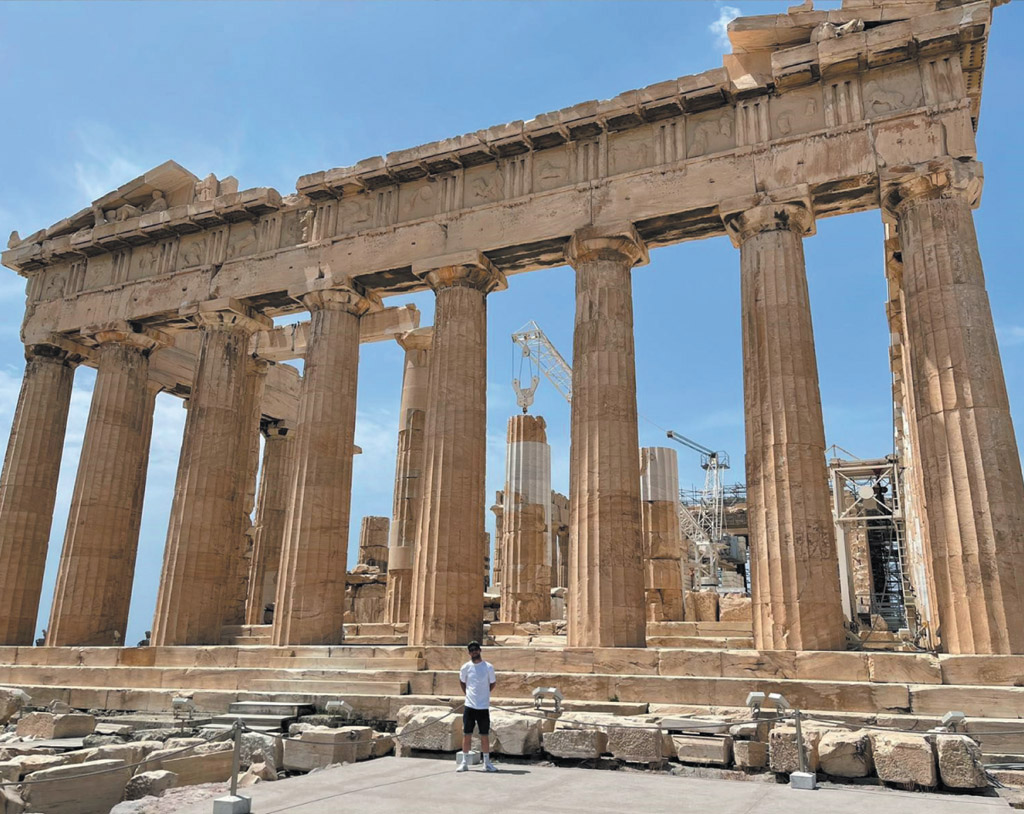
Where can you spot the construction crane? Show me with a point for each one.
(703, 527)
(538, 348)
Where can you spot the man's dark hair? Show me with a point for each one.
(473, 646)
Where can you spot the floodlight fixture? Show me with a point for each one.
(540, 693)
(754, 701)
(339, 707)
(779, 700)
(952, 719)
(183, 707)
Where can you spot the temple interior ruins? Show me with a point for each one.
(878, 592)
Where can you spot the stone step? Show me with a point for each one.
(286, 708)
(714, 642)
(243, 640)
(265, 723)
(344, 663)
(247, 630)
(336, 686)
(718, 629)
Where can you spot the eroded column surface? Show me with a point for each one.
(97, 565)
(310, 605)
(448, 571)
(662, 535)
(28, 487)
(526, 542)
(203, 528)
(271, 514)
(408, 499)
(795, 572)
(606, 582)
(970, 469)
(241, 556)
(373, 541)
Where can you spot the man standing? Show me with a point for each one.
(477, 680)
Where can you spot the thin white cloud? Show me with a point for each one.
(106, 161)
(720, 27)
(1010, 335)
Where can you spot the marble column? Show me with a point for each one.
(663, 537)
(606, 579)
(271, 514)
(970, 468)
(408, 498)
(28, 487)
(97, 565)
(310, 606)
(198, 570)
(448, 571)
(248, 466)
(373, 542)
(795, 572)
(498, 508)
(526, 543)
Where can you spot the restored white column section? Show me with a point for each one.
(663, 537)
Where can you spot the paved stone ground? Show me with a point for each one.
(402, 785)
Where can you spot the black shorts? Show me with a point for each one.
(476, 717)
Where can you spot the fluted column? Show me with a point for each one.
(448, 571)
(408, 498)
(970, 468)
(310, 605)
(271, 514)
(795, 571)
(373, 541)
(663, 537)
(28, 487)
(197, 570)
(526, 542)
(606, 582)
(246, 472)
(97, 565)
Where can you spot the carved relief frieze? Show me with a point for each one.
(589, 160)
(843, 103)
(357, 213)
(324, 221)
(551, 169)
(418, 199)
(243, 238)
(449, 193)
(669, 140)
(483, 185)
(385, 211)
(892, 90)
(76, 277)
(710, 132)
(120, 265)
(797, 112)
(631, 150)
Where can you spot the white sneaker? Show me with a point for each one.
(461, 765)
(488, 766)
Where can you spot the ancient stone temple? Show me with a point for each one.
(171, 282)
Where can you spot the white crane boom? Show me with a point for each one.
(538, 347)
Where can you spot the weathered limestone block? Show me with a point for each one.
(127, 753)
(383, 744)
(733, 608)
(442, 736)
(373, 542)
(579, 744)
(513, 734)
(210, 767)
(150, 784)
(13, 770)
(701, 606)
(636, 744)
(257, 748)
(93, 794)
(782, 748)
(48, 726)
(846, 754)
(321, 746)
(11, 702)
(11, 802)
(706, 750)
(750, 754)
(257, 773)
(904, 758)
(960, 762)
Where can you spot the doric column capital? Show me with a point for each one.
(464, 269)
(227, 313)
(349, 297)
(417, 339)
(941, 178)
(749, 215)
(55, 353)
(619, 243)
(127, 334)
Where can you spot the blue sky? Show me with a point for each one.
(94, 94)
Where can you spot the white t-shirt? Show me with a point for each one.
(478, 679)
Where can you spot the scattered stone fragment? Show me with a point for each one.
(88, 793)
(383, 744)
(578, 744)
(636, 744)
(750, 754)
(321, 747)
(904, 758)
(960, 762)
(704, 750)
(846, 754)
(11, 702)
(150, 784)
(48, 726)
(259, 748)
(782, 748)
